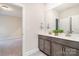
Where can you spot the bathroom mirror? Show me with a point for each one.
(65, 12)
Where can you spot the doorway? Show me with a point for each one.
(10, 30)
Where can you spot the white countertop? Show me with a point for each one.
(73, 37)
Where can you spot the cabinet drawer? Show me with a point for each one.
(43, 37)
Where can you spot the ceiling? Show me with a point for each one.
(65, 6)
(10, 9)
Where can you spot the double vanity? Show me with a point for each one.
(59, 45)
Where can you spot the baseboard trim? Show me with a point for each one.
(30, 52)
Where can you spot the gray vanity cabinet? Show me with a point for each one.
(56, 49)
(47, 47)
(63, 50)
(53, 46)
(41, 44)
(70, 51)
(59, 49)
(77, 53)
(44, 44)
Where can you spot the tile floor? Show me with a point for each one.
(39, 53)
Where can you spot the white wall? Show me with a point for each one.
(75, 24)
(65, 16)
(9, 25)
(33, 14)
(51, 18)
(69, 12)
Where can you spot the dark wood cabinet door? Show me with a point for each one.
(47, 47)
(56, 49)
(41, 44)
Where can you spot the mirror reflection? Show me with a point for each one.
(67, 15)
